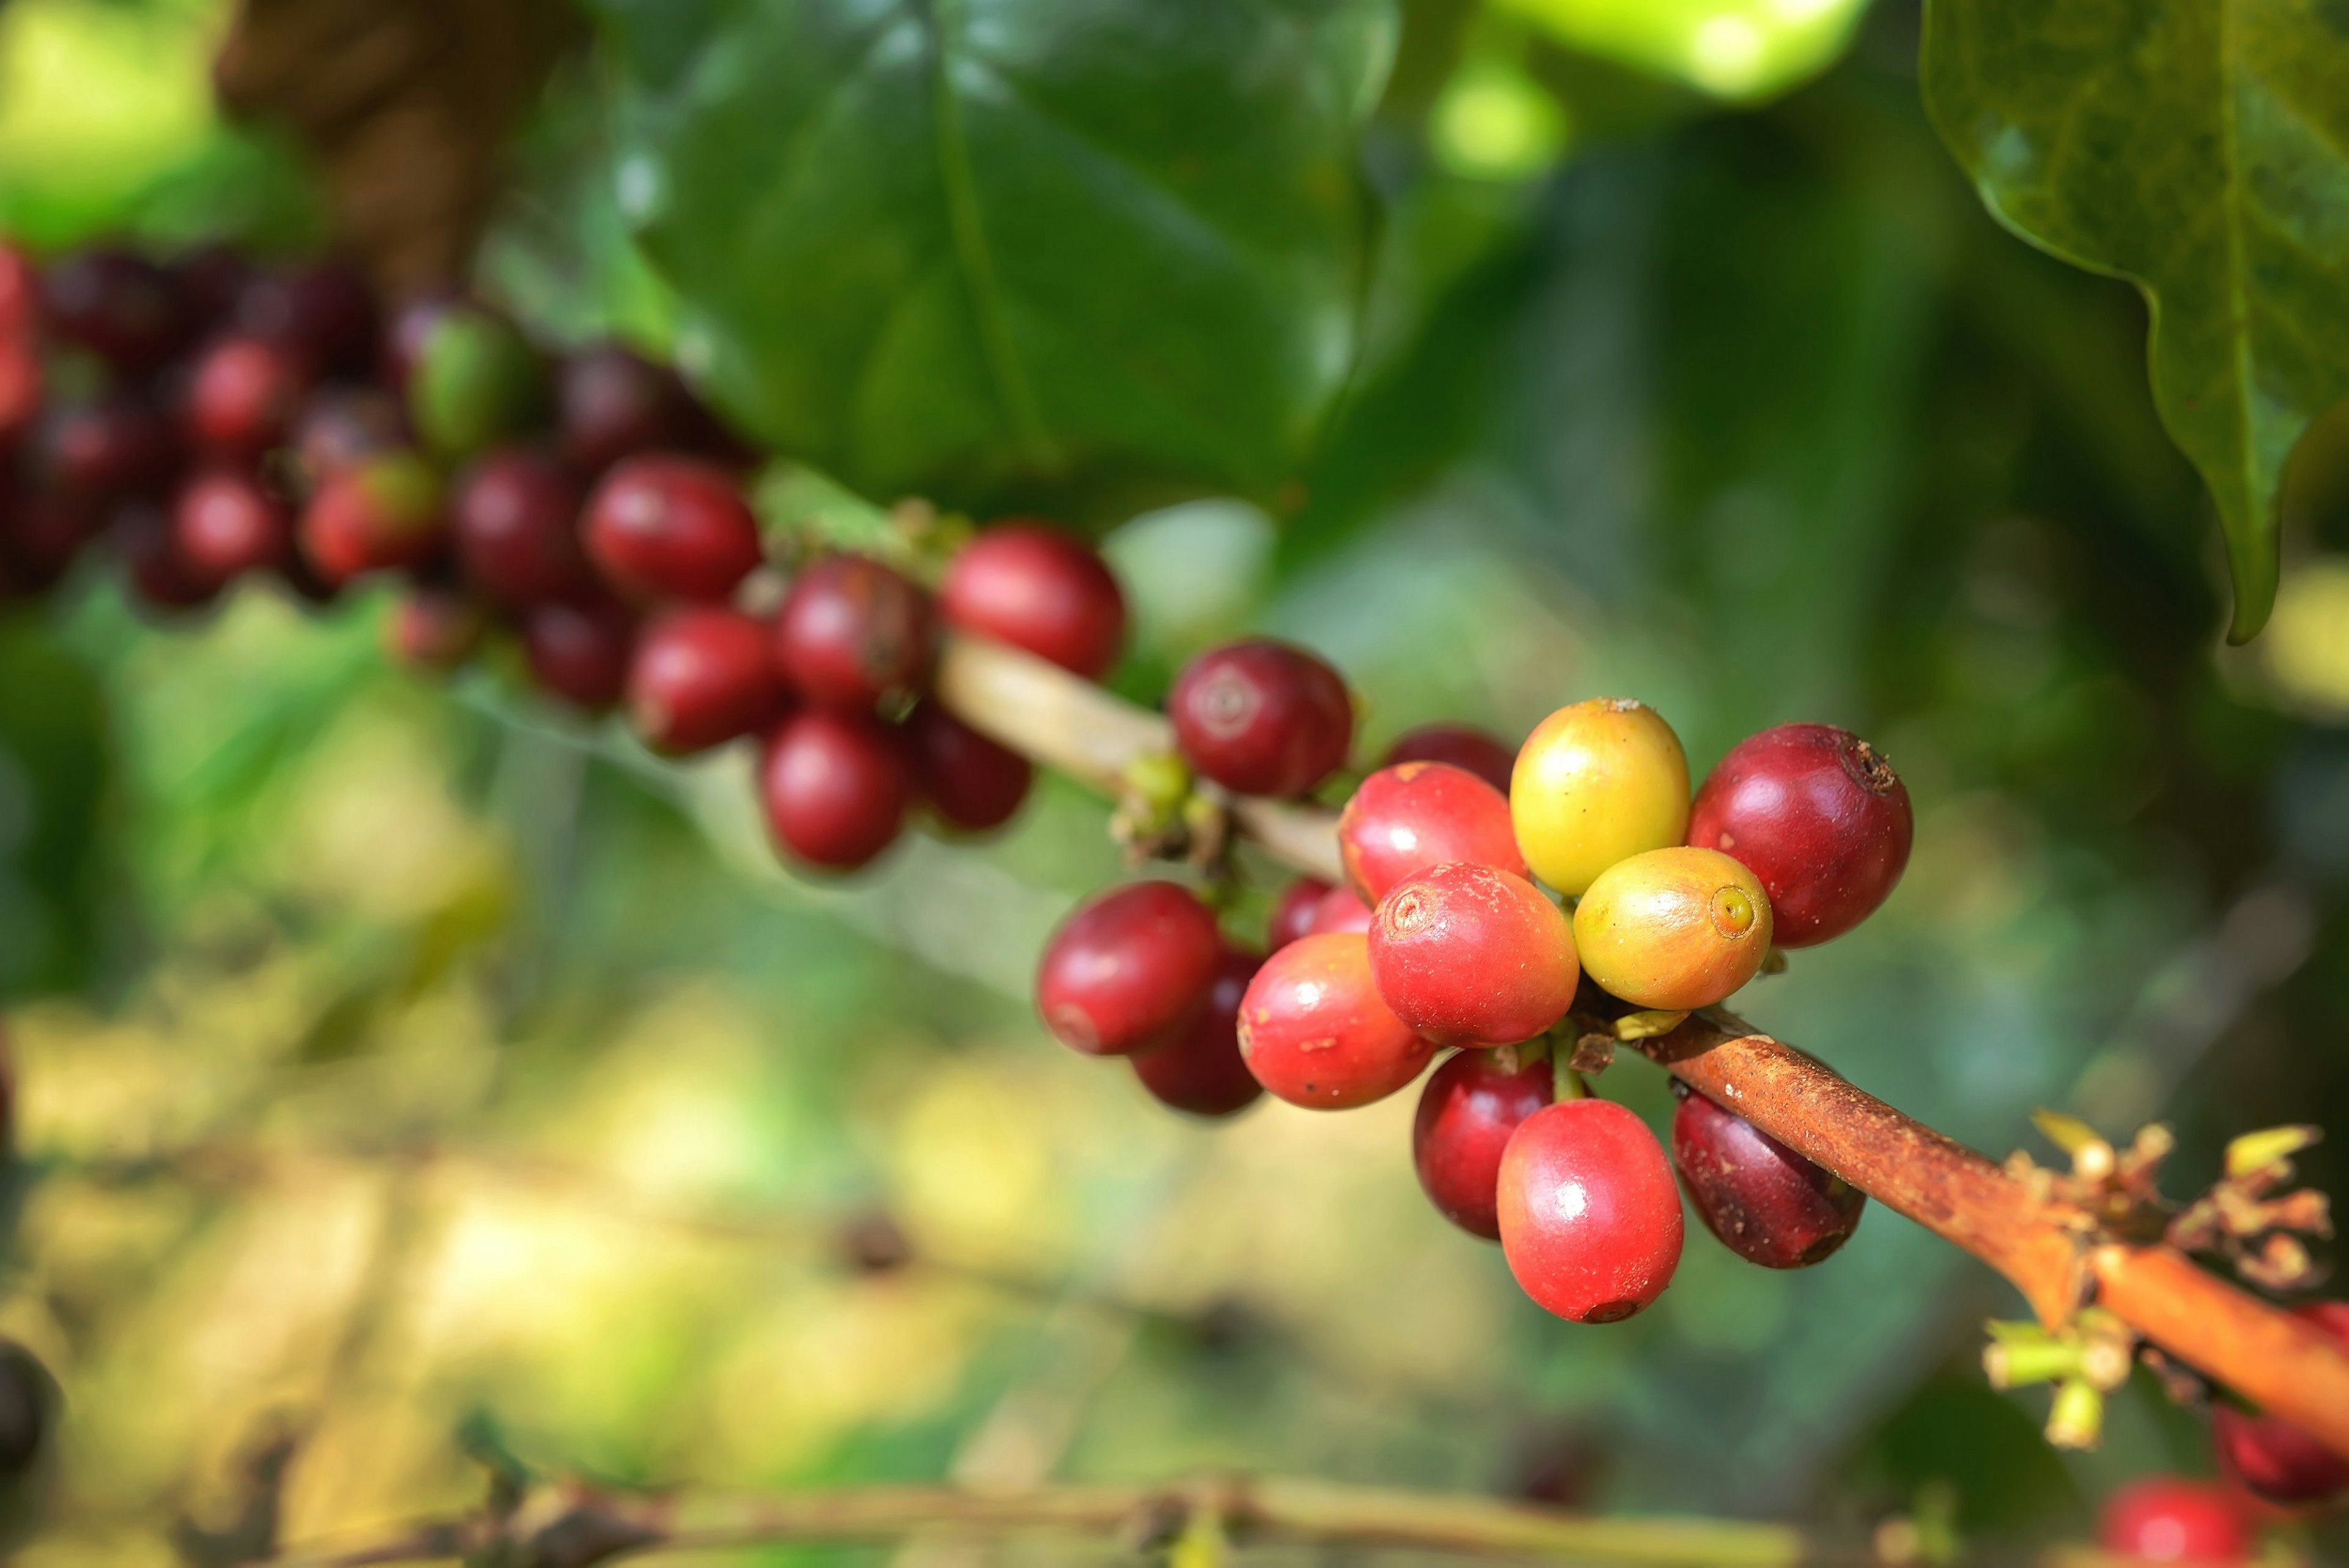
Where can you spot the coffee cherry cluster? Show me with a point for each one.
(211, 418)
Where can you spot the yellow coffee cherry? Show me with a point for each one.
(1677, 928)
(1595, 783)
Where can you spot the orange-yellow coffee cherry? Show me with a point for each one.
(1678, 928)
(1596, 783)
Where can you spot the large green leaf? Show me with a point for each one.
(994, 251)
(2199, 148)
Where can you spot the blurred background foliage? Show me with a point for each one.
(394, 1057)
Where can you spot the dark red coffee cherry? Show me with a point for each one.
(210, 280)
(2169, 1519)
(121, 307)
(852, 631)
(41, 532)
(1408, 818)
(835, 786)
(141, 534)
(436, 628)
(1262, 717)
(701, 678)
(1591, 1222)
(1341, 911)
(614, 404)
(225, 523)
(971, 782)
(105, 451)
(1201, 1070)
(1036, 588)
(1293, 911)
(323, 314)
(1460, 745)
(242, 397)
(22, 388)
(342, 424)
(1315, 1033)
(667, 527)
(20, 296)
(385, 511)
(1818, 815)
(1129, 970)
(1469, 956)
(1466, 1113)
(515, 520)
(411, 327)
(579, 649)
(1767, 1203)
(2271, 1458)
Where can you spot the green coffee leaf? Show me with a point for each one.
(2201, 149)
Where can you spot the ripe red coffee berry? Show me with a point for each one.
(1201, 1070)
(105, 451)
(1405, 818)
(1341, 911)
(1479, 751)
(2169, 1519)
(1315, 1032)
(1129, 970)
(667, 527)
(2272, 1458)
(142, 536)
(1819, 816)
(242, 397)
(121, 307)
(835, 786)
(1468, 955)
(1591, 1222)
(579, 649)
(699, 677)
(1467, 1111)
(383, 512)
(435, 628)
(1262, 717)
(324, 313)
(225, 523)
(972, 783)
(1767, 1203)
(852, 632)
(1036, 588)
(614, 403)
(1293, 911)
(515, 518)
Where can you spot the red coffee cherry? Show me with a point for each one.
(1591, 1222)
(1468, 955)
(1406, 819)
(1129, 970)
(340, 425)
(21, 385)
(1036, 588)
(225, 523)
(2169, 1519)
(852, 632)
(411, 327)
(668, 527)
(387, 512)
(1818, 815)
(1767, 1203)
(121, 307)
(835, 786)
(1463, 746)
(1293, 911)
(515, 519)
(1466, 1114)
(1315, 1033)
(106, 450)
(579, 649)
(142, 536)
(972, 783)
(242, 397)
(700, 677)
(435, 628)
(1201, 1070)
(1262, 717)
(2273, 1459)
(1341, 911)
(324, 313)
(210, 280)
(20, 295)
(614, 403)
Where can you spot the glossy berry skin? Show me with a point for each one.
(1036, 588)
(1767, 1203)
(1201, 1070)
(1315, 1032)
(1262, 717)
(1293, 911)
(612, 403)
(972, 783)
(1589, 1219)
(1468, 955)
(225, 523)
(1340, 909)
(121, 307)
(2167, 1519)
(105, 451)
(700, 677)
(1463, 746)
(2272, 1458)
(1674, 928)
(835, 786)
(435, 628)
(383, 512)
(1466, 1113)
(515, 520)
(1819, 816)
(243, 397)
(668, 527)
(852, 631)
(1130, 970)
(1596, 783)
(580, 650)
(1415, 815)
